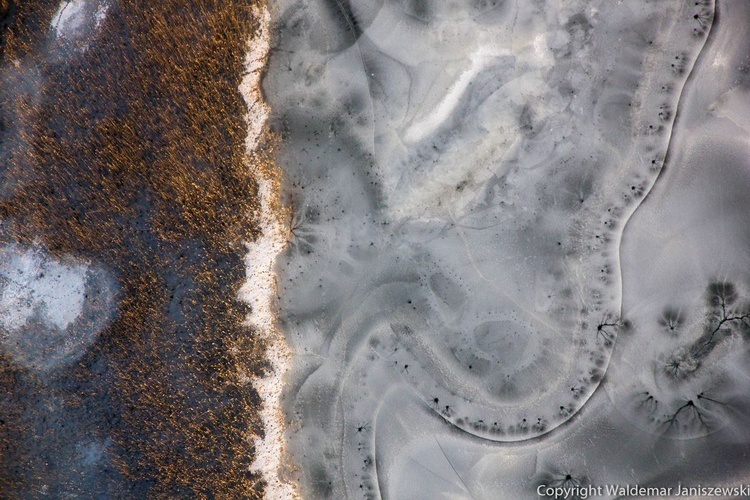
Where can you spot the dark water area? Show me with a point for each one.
(125, 150)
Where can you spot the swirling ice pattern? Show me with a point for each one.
(460, 174)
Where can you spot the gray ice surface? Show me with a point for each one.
(501, 212)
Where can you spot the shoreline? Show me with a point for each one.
(260, 285)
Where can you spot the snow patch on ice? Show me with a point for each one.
(76, 21)
(51, 310)
(70, 16)
(32, 283)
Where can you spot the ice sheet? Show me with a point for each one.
(466, 315)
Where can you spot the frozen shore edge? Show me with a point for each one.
(259, 288)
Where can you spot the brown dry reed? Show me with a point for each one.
(132, 154)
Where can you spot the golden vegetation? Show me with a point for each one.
(133, 154)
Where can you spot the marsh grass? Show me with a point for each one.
(132, 154)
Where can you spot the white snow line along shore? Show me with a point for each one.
(259, 289)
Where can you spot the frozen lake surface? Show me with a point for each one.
(398, 249)
(518, 242)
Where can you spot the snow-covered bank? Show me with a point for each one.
(259, 290)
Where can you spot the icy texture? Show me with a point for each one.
(51, 311)
(684, 371)
(460, 174)
(75, 23)
(33, 285)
